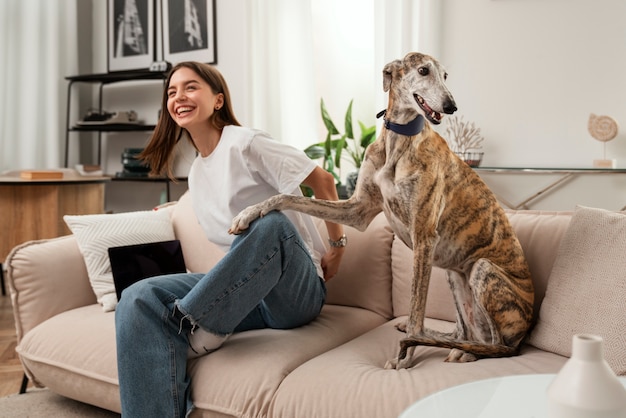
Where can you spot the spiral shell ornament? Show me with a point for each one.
(602, 128)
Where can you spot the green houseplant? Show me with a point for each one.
(338, 146)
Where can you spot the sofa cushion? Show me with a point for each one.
(364, 276)
(241, 378)
(587, 287)
(350, 380)
(539, 233)
(96, 233)
(74, 354)
(200, 253)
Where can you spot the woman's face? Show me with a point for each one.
(190, 100)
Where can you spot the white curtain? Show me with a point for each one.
(404, 26)
(282, 64)
(37, 50)
(306, 50)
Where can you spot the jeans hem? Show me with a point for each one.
(179, 313)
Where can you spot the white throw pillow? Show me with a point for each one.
(586, 291)
(96, 233)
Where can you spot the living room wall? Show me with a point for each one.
(527, 72)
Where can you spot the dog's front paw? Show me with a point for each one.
(404, 360)
(242, 221)
(391, 364)
(397, 364)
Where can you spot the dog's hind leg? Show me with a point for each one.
(493, 315)
(504, 304)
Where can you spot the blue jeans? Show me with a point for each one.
(267, 280)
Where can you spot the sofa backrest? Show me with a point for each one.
(200, 254)
(539, 233)
(364, 278)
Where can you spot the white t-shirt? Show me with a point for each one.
(247, 167)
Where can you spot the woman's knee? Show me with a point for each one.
(134, 297)
(146, 292)
(274, 223)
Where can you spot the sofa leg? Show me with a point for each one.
(24, 384)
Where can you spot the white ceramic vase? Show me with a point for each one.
(586, 387)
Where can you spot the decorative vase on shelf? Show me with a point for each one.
(586, 387)
(472, 158)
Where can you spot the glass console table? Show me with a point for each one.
(564, 175)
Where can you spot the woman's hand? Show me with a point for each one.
(323, 185)
(331, 261)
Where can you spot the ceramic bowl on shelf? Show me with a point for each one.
(472, 158)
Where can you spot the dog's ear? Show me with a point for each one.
(388, 73)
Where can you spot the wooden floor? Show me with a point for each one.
(11, 371)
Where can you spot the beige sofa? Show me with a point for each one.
(332, 367)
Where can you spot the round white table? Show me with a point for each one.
(522, 396)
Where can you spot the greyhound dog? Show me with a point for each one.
(438, 206)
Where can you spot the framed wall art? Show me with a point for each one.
(130, 34)
(188, 29)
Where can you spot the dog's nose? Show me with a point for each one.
(449, 107)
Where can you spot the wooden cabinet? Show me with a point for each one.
(34, 209)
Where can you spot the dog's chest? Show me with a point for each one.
(395, 179)
(396, 207)
(399, 229)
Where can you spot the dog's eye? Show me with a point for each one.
(423, 71)
(445, 76)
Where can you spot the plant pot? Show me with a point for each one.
(351, 180)
(342, 192)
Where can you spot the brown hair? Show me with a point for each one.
(158, 153)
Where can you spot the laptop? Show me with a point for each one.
(132, 263)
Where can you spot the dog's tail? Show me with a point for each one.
(473, 347)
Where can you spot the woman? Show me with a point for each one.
(272, 274)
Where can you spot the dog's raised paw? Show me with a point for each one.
(242, 221)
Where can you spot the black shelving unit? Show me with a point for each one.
(103, 80)
(151, 179)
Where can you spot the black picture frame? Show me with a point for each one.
(188, 29)
(131, 26)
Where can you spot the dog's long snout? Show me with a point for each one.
(449, 107)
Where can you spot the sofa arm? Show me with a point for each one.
(46, 277)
